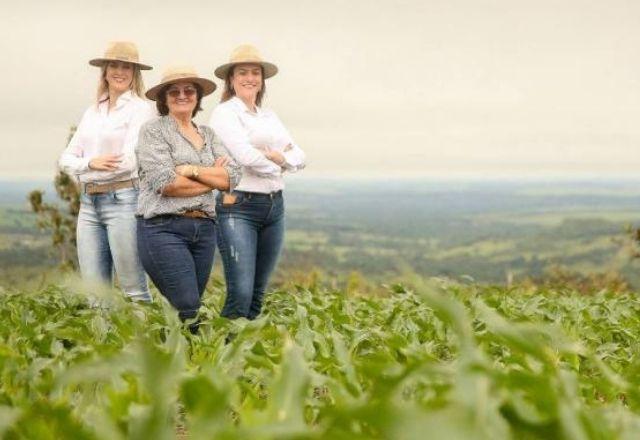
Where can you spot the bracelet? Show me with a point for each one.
(194, 171)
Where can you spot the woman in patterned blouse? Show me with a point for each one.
(181, 163)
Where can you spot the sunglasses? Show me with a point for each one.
(175, 93)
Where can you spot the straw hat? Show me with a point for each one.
(120, 51)
(246, 53)
(174, 74)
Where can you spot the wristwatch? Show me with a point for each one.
(194, 171)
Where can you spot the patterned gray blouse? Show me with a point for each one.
(161, 147)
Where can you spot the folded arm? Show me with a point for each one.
(224, 175)
(184, 187)
(228, 127)
(291, 157)
(215, 177)
(156, 167)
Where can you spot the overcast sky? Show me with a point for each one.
(432, 88)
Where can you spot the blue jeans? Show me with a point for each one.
(106, 239)
(177, 253)
(250, 235)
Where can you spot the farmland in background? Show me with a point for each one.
(493, 232)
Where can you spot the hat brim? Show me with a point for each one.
(208, 86)
(269, 68)
(99, 62)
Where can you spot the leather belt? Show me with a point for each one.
(91, 188)
(194, 214)
(255, 195)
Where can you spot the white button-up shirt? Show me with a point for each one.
(102, 132)
(247, 135)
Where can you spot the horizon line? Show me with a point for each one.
(472, 177)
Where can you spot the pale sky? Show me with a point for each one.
(433, 88)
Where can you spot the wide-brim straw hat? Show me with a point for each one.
(246, 53)
(120, 51)
(174, 74)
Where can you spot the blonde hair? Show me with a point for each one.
(229, 93)
(137, 84)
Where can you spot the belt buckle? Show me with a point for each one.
(88, 188)
(195, 213)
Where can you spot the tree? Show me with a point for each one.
(61, 221)
(634, 235)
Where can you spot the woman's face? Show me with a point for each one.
(182, 97)
(247, 81)
(119, 76)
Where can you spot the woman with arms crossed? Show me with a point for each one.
(251, 218)
(101, 154)
(181, 163)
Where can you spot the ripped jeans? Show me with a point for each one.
(250, 234)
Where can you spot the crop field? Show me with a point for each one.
(444, 361)
(494, 232)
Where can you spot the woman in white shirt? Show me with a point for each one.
(251, 218)
(101, 154)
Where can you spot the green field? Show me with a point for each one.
(529, 329)
(446, 361)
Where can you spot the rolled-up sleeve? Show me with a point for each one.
(233, 169)
(155, 162)
(293, 155)
(294, 158)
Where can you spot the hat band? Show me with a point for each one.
(121, 57)
(247, 60)
(175, 76)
